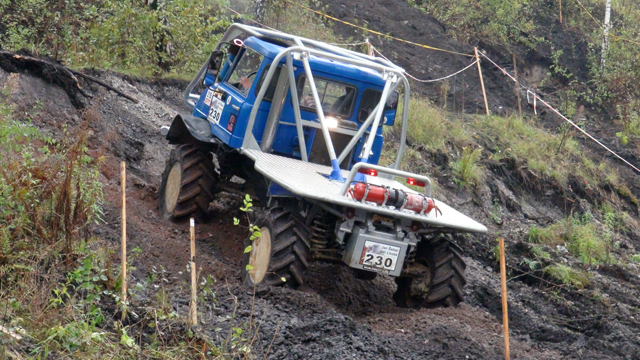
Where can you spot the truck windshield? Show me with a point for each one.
(336, 98)
(245, 71)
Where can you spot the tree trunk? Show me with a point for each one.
(605, 37)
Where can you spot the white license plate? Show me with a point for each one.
(379, 255)
(215, 111)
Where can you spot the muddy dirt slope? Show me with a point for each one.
(335, 316)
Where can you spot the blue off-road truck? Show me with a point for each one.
(298, 125)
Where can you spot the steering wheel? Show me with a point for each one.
(242, 88)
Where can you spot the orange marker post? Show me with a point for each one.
(193, 312)
(123, 181)
(505, 312)
(484, 93)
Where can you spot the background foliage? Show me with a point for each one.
(127, 35)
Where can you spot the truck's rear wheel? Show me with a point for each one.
(188, 183)
(281, 252)
(436, 277)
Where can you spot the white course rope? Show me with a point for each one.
(535, 96)
(432, 80)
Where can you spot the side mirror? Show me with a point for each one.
(215, 59)
(213, 67)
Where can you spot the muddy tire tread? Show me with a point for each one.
(198, 183)
(444, 259)
(289, 252)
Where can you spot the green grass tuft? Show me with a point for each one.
(467, 171)
(568, 275)
(582, 237)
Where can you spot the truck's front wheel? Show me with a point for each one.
(279, 256)
(435, 278)
(188, 183)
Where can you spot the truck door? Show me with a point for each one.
(226, 99)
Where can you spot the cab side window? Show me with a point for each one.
(245, 71)
(336, 98)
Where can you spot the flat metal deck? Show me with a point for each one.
(309, 180)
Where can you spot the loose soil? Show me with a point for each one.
(335, 315)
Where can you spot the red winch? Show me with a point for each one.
(392, 197)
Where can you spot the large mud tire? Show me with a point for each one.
(188, 184)
(281, 252)
(436, 278)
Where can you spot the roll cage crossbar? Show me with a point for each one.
(301, 51)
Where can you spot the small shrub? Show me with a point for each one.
(466, 170)
(568, 275)
(546, 235)
(580, 235)
(539, 253)
(587, 243)
(531, 263)
(623, 190)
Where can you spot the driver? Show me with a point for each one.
(244, 68)
(246, 71)
(245, 85)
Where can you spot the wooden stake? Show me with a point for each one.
(560, 5)
(484, 93)
(515, 70)
(505, 312)
(123, 183)
(193, 312)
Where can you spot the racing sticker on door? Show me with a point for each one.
(215, 111)
(207, 99)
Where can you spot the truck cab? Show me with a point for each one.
(348, 95)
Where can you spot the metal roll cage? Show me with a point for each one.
(303, 48)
